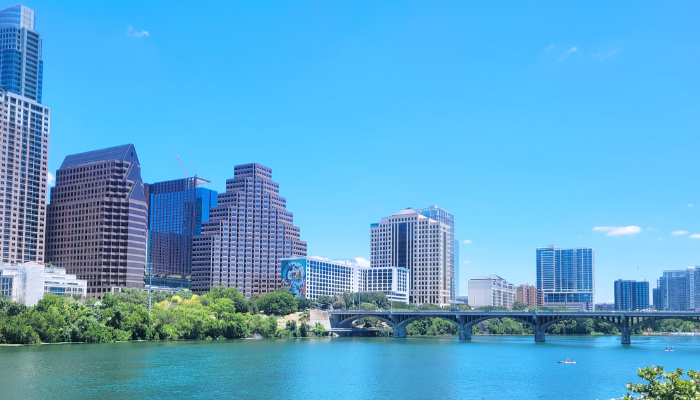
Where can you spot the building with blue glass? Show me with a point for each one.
(631, 295)
(21, 66)
(176, 211)
(679, 290)
(566, 277)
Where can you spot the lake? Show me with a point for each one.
(495, 367)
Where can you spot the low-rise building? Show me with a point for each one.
(492, 290)
(529, 295)
(312, 277)
(22, 283)
(57, 281)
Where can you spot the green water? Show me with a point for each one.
(358, 368)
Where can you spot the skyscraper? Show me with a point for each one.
(567, 277)
(176, 209)
(21, 66)
(23, 178)
(445, 217)
(410, 240)
(631, 295)
(97, 219)
(248, 233)
(679, 290)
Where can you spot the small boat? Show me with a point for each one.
(567, 362)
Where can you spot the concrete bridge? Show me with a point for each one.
(624, 321)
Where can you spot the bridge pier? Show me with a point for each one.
(539, 335)
(399, 331)
(465, 332)
(626, 336)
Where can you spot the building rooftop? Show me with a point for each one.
(111, 153)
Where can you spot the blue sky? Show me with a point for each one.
(532, 122)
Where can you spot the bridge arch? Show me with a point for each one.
(348, 322)
(415, 318)
(558, 319)
(469, 324)
(641, 321)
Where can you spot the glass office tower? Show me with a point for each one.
(566, 277)
(21, 66)
(177, 209)
(679, 290)
(631, 295)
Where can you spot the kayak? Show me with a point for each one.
(567, 362)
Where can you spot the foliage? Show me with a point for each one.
(280, 302)
(304, 303)
(663, 385)
(519, 306)
(319, 330)
(432, 327)
(351, 299)
(324, 302)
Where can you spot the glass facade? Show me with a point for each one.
(679, 290)
(21, 66)
(176, 210)
(631, 295)
(566, 277)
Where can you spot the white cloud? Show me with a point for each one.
(136, 34)
(678, 233)
(568, 53)
(551, 46)
(51, 179)
(618, 230)
(467, 262)
(657, 239)
(467, 241)
(690, 205)
(362, 262)
(602, 56)
(695, 236)
(652, 229)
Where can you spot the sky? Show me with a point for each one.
(534, 123)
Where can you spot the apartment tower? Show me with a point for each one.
(566, 277)
(97, 219)
(422, 245)
(21, 67)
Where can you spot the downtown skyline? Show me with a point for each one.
(526, 141)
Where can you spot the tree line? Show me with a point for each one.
(223, 313)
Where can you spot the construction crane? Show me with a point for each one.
(181, 166)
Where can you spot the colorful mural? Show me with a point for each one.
(294, 276)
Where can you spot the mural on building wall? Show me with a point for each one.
(294, 276)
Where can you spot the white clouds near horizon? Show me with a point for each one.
(618, 230)
(695, 236)
(467, 241)
(568, 53)
(362, 262)
(603, 56)
(136, 34)
(678, 233)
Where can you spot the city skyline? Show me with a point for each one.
(501, 117)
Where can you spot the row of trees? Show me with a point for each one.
(223, 313)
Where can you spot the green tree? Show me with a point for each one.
(663, 385)
(319, 330)
(324, 302)
(304, 303)
(519, 306)
(278, 303)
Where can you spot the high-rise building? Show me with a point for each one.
(441, 215)
(631, 295)
(422, 245)
(567, 277)
(21, 67)
(23, 178)
(656, 296)
(248, 233)
(492, 290)
(97, 219)
(176, 210)
(530, 296)
(679, 290)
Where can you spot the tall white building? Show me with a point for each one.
(23, 178)
(491, 290)
(246, 237)
(23, 283)
(423, 246)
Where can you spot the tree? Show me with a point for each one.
(319, 330)
(663, 385)
(304, 303)
(519, 306)
(324, 302)
(279, 303)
